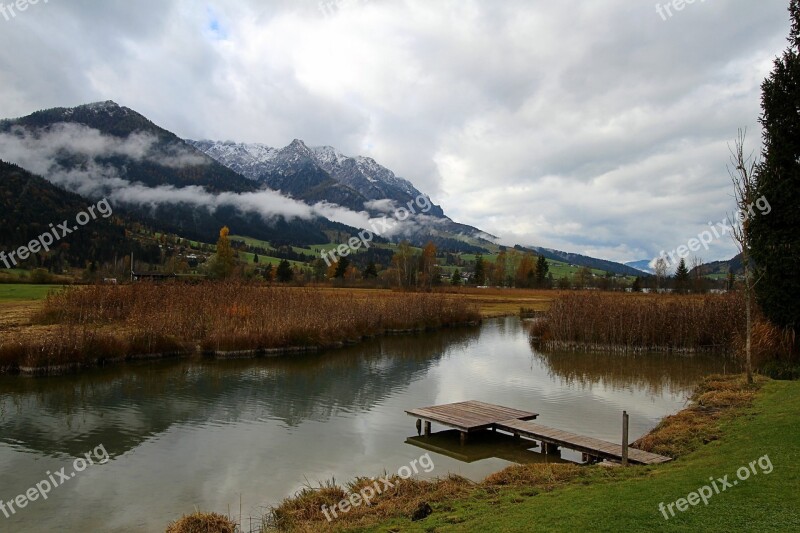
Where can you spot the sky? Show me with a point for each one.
(600, 128)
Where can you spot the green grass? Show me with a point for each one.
(19, 292)
(764, 502)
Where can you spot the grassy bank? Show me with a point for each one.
(645, 322)
(95, 324)
(728, 426)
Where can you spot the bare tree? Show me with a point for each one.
(743, 171)
(660, 268)
(697, 270)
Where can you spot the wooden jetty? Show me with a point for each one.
(472, 416)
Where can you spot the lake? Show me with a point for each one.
(237, 436)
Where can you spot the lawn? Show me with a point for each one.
(15, 292)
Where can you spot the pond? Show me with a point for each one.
(237, 436)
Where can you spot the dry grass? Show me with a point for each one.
(203, 523)
(642, 322)
(303, 512)
(543, 475)
(714, 398)
(105, 322)
(496, 302)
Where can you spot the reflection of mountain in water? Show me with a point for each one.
(124, 405)
(652, 372)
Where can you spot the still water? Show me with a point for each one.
(241, 435)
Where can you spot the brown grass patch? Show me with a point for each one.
(643, 322)
(715, 397)
(542, 475)
(87, 325)
(203, 523)
(303, 512)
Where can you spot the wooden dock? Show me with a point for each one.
(468, 416)
(474, 416)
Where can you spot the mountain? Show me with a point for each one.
(32, 207)
(642, 266)
(723, 267)
(586, 261)
(318, 173)
(106, 150)
(153, 156)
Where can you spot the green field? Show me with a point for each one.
(20, 292)
(763, 502)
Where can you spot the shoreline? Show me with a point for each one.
(222, 355)
(717, 400)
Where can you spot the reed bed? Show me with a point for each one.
(626, 322)
(95, 324)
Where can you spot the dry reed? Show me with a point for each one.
(642, 322)
(105, 322)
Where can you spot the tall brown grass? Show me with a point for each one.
(642, 322)
(97, 323)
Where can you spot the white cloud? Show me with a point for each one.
(583, 126)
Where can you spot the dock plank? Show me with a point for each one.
(470, 415)
(581, 443)
(474, 415)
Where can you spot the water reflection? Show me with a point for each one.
(655, 373)
(124, 405)
(220, 434)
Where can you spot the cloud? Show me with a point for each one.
(573, 125)
(42, 151)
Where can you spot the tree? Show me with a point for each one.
(660, 268)
(743, 177)
(582, 277)
(371, 272)
(774, 239)
(698, 278)
(731, 282)
(499, 274)
(341, 267)
(526, 271)
(480, 271)
(637, 285)
(682, 277)
(255, 259)
(223, 264)
(268, 273)
(284, 274)
(542, 270)
(456, 280)
(428, 269)
(404, 261)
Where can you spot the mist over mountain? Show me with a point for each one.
(292, 195)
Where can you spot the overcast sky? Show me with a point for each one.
(594, 127)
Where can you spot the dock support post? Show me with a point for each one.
(624, 438)
(549, 448)
(427, 429)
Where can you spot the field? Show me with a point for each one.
(15, 292)
(84, 326)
